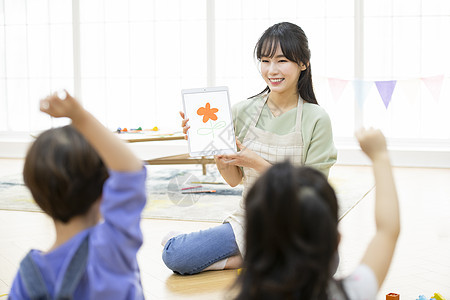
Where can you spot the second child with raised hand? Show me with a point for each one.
(79, 174)
(292, 233)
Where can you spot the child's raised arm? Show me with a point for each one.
(115, 154)
(379, 253)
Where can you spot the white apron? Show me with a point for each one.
(272, 147)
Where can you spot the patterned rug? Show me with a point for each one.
(186, 194)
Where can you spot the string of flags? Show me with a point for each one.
(411, 87)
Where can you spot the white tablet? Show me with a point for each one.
(209, 113)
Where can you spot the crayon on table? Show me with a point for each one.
(205, 182)
(199, 192)
(191, 187)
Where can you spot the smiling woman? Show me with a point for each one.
(299, 132)
(281, 76)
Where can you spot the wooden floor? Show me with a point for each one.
(421, 263)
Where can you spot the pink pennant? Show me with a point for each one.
(385, 89)
(337, 87)
(434, 85)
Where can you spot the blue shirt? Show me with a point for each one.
(112, 270)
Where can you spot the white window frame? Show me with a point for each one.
(404, 152)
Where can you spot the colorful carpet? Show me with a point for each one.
(186, 194)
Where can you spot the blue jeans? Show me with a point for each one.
(190, 253)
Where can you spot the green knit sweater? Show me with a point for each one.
(319, 150)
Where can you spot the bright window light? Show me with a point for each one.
(136, 55)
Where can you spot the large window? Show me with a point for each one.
(129, 59)
(136, 56)
(407, 42)
(35, 58)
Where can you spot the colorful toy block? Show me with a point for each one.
(438, 296)
(393, 296)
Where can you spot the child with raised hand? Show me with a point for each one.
(79, 174)
(292, 233)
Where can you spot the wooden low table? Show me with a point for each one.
(182, 159)
(179, 159)
(137, 138)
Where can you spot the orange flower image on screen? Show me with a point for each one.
(207, 113)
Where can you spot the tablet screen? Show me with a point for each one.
(211, 129)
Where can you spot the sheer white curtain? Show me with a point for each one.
(35, 58)
(403, 41)
(407, 41)
(136, 56)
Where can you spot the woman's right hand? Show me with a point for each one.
(222, 163)
(231, 173)
(184, 125)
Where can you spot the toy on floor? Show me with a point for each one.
(436, 296)
(393, 296)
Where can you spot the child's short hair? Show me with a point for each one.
(64, 173)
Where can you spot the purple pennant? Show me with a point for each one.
(386, 88)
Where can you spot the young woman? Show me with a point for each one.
(292, 235)
(283, 122)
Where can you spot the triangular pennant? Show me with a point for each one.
(337, 87)
(362, 89)
(410, 88)
(434, 85)
(385, 89)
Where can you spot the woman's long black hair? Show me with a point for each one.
(291, 235)
(294, 45)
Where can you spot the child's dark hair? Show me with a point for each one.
(291, 235)
(294, 45)
(64, 173)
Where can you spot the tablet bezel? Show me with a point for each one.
(209, 152)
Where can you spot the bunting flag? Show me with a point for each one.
(362, 89)
(411, 89)
(434, 85)
(385, 89)
(337, 87)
